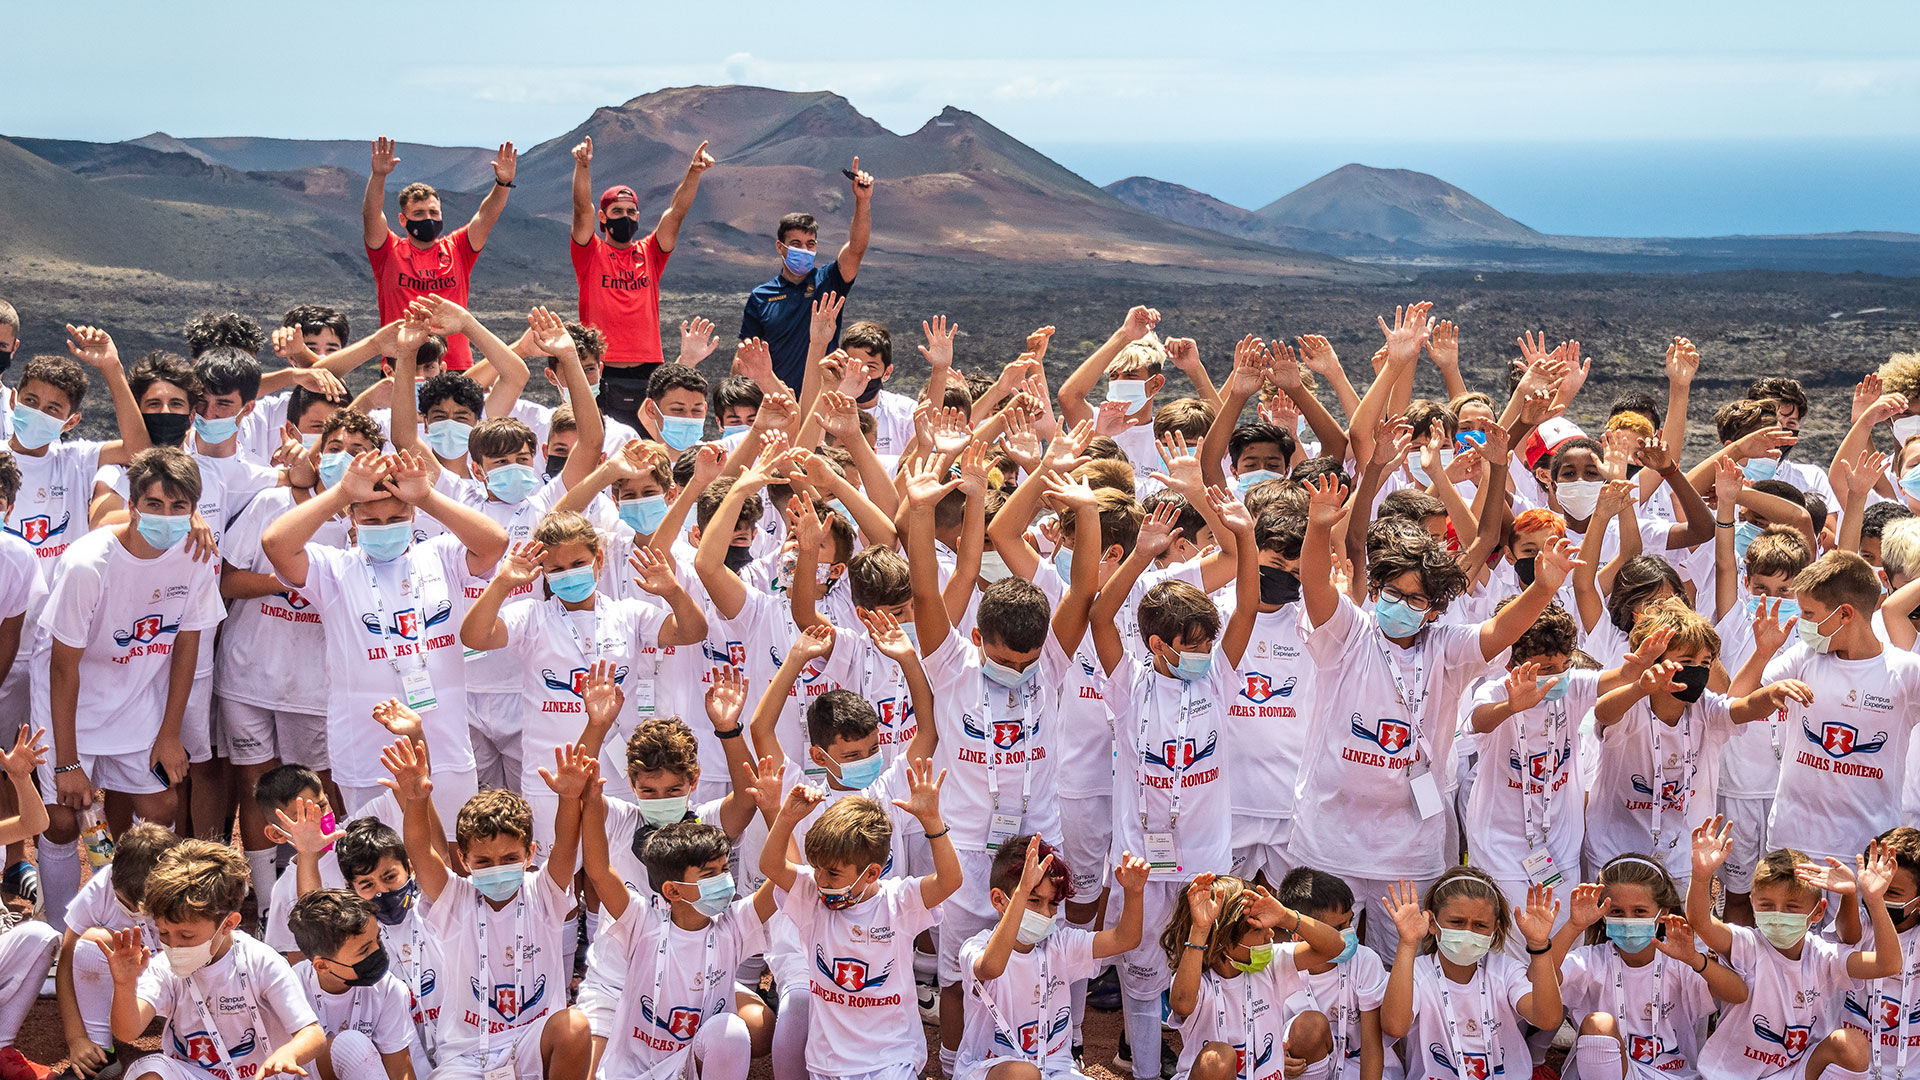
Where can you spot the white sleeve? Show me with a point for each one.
(73, 602)
(277, 990)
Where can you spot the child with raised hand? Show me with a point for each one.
(1790, 1022)
(361, 1005)
(1454, 992)
(858, 926)
(1635, 1009)
(1018, 1018)
(373, 862)
(1660, 737)
(109, 902)
(1884, 1008)
(1370, 778)
(1348, 988)
(1233, 979)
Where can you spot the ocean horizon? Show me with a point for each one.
(1584, 188)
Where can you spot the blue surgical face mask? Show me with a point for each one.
(716, 895)
(209, 430)
(1556, 685)
(35, 429)
(1395, 619)
(1789, 607)
(1004, 675)
(448, 438)
(860, 775)
(797, 260)
(1247, 479)
(593, 393)
(309, 441)
(644, 514)
(1631, 935)
(333, 466)
(512, 483)
(1131, 391)
(384, 543)
(1352, 939)
(164, 530)
(1063, 562)
(499, 882)
(1910, 482)
(572, 585)
(658, 812)
(1760, 468)
(1744, 534)
(1193, 665)
(681, 432)
(730, 430)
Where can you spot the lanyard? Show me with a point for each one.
(1028, 728)
(1906, 1011)
(418, 968)
(1043, 1035)
(710, 943)
(1498, 1064)
(1415, 706)
(519, 939)
(1655, 1011)
(1177, 761)
(1554, 728)
(1341, 1013)
(380, 613)
(1689, 757)
(220, 1054)
(590, 646)
(1251, 1054)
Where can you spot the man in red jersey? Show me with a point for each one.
(619, 274)
(425, 262)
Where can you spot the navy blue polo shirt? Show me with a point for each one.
(780, 313)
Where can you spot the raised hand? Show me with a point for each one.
(602, 697)
(1183, 473)
(412, 476)
(1033, 871)
(1233, 513)
(726, 697)
(1650, 650)
(1660, 677)
(1021, 442)
(1554, 563)
(1069, 494)
(1140, 322)
(383, 160)
(1066, 451)
(1113, 417)
(1409, 333)
(753, 359)
(28, 752)
(702, 161)
(887, 634)
(302, 828)
(973, 471)
(1712, 843)
(1443, 346)
(1653, 454)
(1679, 942)
(1131, 874)
(1864, 471)
(698, 339)
(1588, 905)
(1769, 634)
(504, 163)
(1874, 871)
(862, 183)
(521, 567)
(1158, 531)
(1391, 441)
(923, 793)
(800, 802)
(1183, 353)
(939, 347)
(1318, 355)
(574, 767)
(583, 151)
(126, 954)
(1535, 920)
(1403, 907)
(1037, 342)
(926, 485)
(1326, 502)
(826, 315)
(653, 571)
(550, 333)
(1202, 905)
(1683, 362)
(410, 782)
(92, 346)
(765, 785)
(1523, 687)
(1728, 481)
(951, 431)
(812, 643)
(1834, 877)
(400, 721)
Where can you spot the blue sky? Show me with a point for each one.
(1381, 77)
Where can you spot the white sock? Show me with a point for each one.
(723, 1047)
(926, 967)
(59, 878)
(1599, 1057)
(25, 952)
(947, 1060)
(354, 1057)
(260, 865)
(1142, 1017)
(93, 992)
(570, 935)
(1077, 1008)
(789, 1050)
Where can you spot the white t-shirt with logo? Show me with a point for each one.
(486, 673)
(1083, 749)
(1354, 798)
(1470, 1029)
(490, 998)
(892, 423)
(50, 511)
(1840, 781)
(860, 667)
(864, 1015)
(1528, 794)
(1171, 761)
(126, 613)
(551, 650)
(765, 627)
(1889, 1009)
(381, 1012)
(228, 1016)
(266, 655)
(1359, 985)
(1750, 762)
(1791, 1005)
(1642, 753)
(414, 616)
(1594, 978)
(1033, 1000)
(1267, 714)
(996, 743)
(676, 980)
(1249, 1012)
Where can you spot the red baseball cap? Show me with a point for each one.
(617, 191)
(1546, 438)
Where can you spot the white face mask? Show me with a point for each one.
(1464, 947)
(1782, 929)
(993, 567)
(187, 959)
(1578, 497)
(1904, 428)
(1035, 927)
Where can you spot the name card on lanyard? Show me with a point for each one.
(415, 683)
(1425, 789)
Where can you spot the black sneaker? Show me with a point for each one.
(1103, 993)
(22, 879)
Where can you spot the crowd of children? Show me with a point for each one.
(437, 731)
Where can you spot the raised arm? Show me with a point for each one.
(373, 204)
(1712, 842)
(1157, 534)
(284, 541)
(1070, 618)
(482, 628)
(1139, 322)
(667, 233)
(484, 218)
(1327, 509)
(575, 769)
(773, 854)
(484, 539)
(1683, 363)
(925, 489)
(95, 348)
(861, 228)
(585, 217)
(414, 790)
(1551, 566)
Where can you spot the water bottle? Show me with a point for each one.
(98, 840)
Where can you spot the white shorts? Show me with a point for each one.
(1143, 969)
(1748, 821)
(196, 724)
(978, 1068)
(1086, 843)
(128, 774)
(904, 1070)
(524, 1053)
(251, 734)
(451, 790)
(1260, 845)
(965, 913)
(1369, 898)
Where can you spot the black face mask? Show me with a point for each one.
(621, 230)
(1278, 586)
(555, 463)
(1523, 569)
(6, 358)
(1693, 682)
(371, 969)
(738, 556)
(425, 230)
(167, 429)
(391, 907)
(872, 391)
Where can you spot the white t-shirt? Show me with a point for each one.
(1594, 978)
(381, 1012)
(1888, 1010)
(1750, 762)
(228, 1016)
(860, 667)
(1642, 752)
(864, 1015)
(996, 744)
(1840, 784)
(1342, 994)
(892, 784)
(278, 933)
(50, 511)
(1032, 1017)
(765, 627)
(1470, 1029)
(1248, 1012)
(373, 638)
(1528, 793)
(1272, 695)
(1172, 765)
(1791, 1005)
(627, 829)
(539, 419)
(519, 520)
(1354, 798)
(1083, 748)
(492, 993)
(414, 955)
(550, 651)
(265, 658)
(96, 904)
(892, 423)
(126, 613)
(676, 979)
(260, 429)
